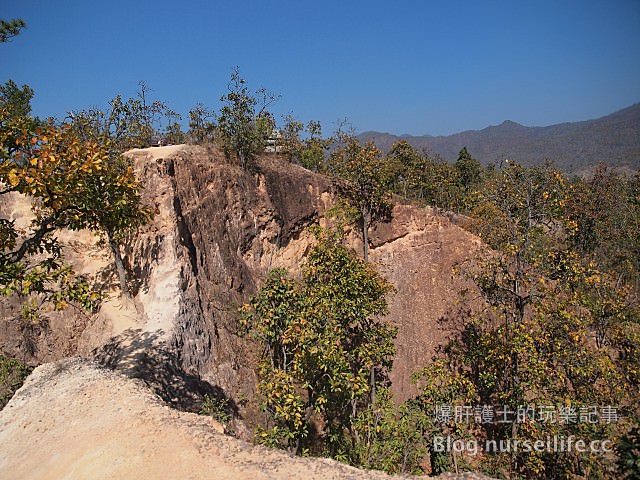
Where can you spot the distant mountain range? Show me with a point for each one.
(574, 147)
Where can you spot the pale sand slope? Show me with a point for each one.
(74, 420)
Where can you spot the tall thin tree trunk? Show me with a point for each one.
(365, 232)
(117, 257)
(373, 384)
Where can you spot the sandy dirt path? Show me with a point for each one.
(75, 420)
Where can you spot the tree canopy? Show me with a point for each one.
(548, 331)
(245, 123)
(325, 347)
(10, 29)
(367, 187)
(76, 182)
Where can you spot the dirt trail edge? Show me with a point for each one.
(75, 420)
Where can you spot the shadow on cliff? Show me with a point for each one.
(140, 354)
(458, 330)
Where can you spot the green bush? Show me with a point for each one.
(218, 408)
(12, 375)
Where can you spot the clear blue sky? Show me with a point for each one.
(418, 67)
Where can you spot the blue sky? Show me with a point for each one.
(418, 67)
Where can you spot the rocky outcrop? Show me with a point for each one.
(76, 420)
(416, 250)
(216, 233)
(232, 227)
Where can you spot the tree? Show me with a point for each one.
(202, 125)
(12, 375)
(545, 331)
(111, 204)
(128, 123)
(419, 176)
(605, 213)
(291, 137)
(368, 182)
(469, 175)
(150, 118)
(47, 165)
(146, 111)
(17, 100)
(310, 152)
(17, 106)
(313, 154)
(121, 127)
(113, 201)
(112, 197)
(173, 133)
(469, 169)
(245, 123)
(407, 166)
(10, 29)
(78, 180)
(325, 349)
(390, 438)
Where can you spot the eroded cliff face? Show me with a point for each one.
(221, 230)
(230, 228)
(216, 233)
(417, 251)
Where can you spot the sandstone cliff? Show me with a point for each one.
(229, 229)
(216, 233)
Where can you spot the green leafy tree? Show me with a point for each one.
(407, 166)
(245, 123)
(128, 123)
(152, 119)
(325, 349)
(390, 438)
(469, 170)
(173, 133)
(469, 175)
(17, 100)
(111, 200)
(121, 127)
(367, 185)
(10, 29)
(111, 204)
(202, 125)
(291, 137)
(78, 180)
(605, 215)
(12, 375)
(48, 165)
(313, 154)
(419, 176)
(310, 151)
(441, 184)
(546, 330)
(628, 449)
